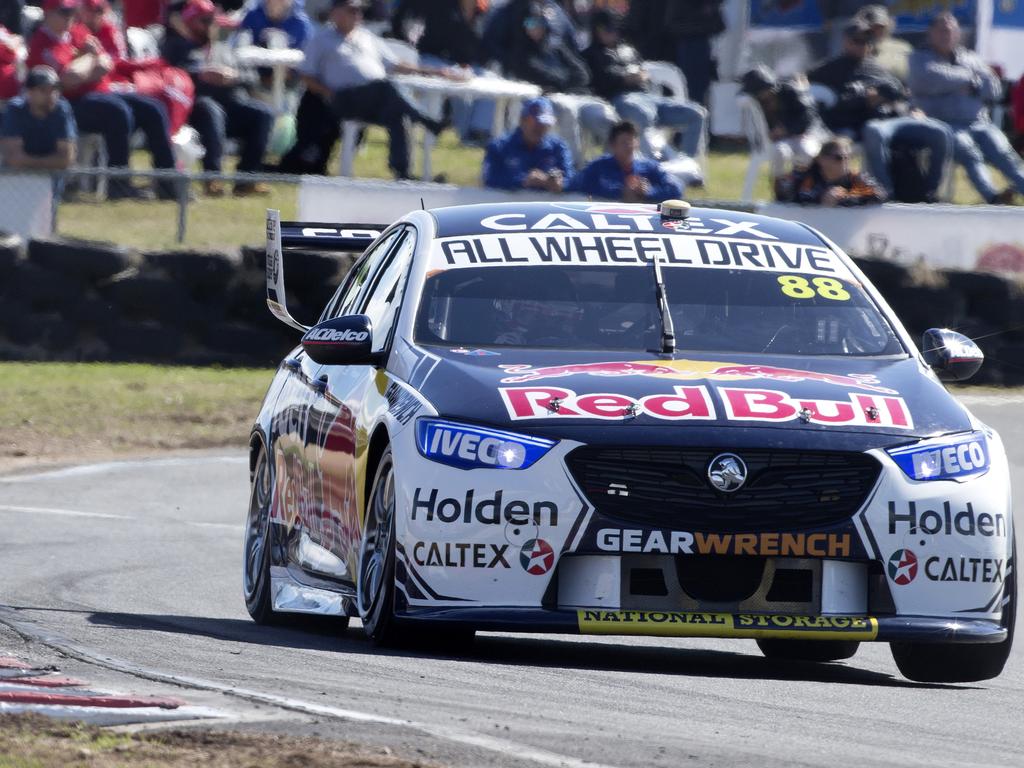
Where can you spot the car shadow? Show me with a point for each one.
(320, 634)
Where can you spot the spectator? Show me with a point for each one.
(449, 34)
(891, 53)
(872, 106)
(38, 129)
(952, 84)
(793, 121)
(346, 76)
(529, 157)
(11, 46)
(645, 28)
(95, 17)
(619, 77)
(538, 55)
(10, 15)
(142, 13)
(830, 182)
(503, 27)
(622, 175)
(691, 26)
(835, 15)
(222, 107)
(84, 69)
(287, 16)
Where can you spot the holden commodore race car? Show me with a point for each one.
(629, 420)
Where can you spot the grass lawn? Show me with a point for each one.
(230, 222)
(94, 410)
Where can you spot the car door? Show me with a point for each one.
(333, 433)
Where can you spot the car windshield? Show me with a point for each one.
(614, 308)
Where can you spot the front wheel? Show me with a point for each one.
(375, 588)
(958, 663)
(256, 563)
(808, 650)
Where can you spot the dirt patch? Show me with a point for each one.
(31, 740)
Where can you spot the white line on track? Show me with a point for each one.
(60, 512)
(114, 466)
(522, 752)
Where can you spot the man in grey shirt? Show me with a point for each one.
(346, 73)
(951, 84)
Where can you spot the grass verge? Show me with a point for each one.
(30, 741)
(55, 411)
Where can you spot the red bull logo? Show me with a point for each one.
(690, 370)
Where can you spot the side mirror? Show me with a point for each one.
(344, 340)
(953, 356)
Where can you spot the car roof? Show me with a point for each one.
(620, 218)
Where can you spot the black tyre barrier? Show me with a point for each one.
(314, 269)
(43, 289)
(12, 250)
(255, 345)
(202, 273)
(147, 296)
(884, 275)
(84, 259)
(990, 297)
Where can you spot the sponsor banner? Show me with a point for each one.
(915, 518)
(693, 624)
(695, 404)
(590, 249)
(470, 447)
(904, 567)
(451, 554)
(670, 542)
(693, 370)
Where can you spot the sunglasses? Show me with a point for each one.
(839, 157)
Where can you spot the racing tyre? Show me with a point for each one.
(256, 563)
(375, 588)
(958, 663)
(808, 650)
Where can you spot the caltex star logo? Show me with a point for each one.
(902, 567)
(537, 557)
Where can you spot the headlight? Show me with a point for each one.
(471, 447)
(954, 457)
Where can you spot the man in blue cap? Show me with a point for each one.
(623, 174)
(529, 157)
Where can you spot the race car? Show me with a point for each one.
(630, 420)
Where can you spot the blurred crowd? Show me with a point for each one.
(161, 73)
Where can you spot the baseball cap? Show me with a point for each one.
(60, 5)
(359, 4)
(875, 16)
(95, 5)
(539, 108)
(857, 29)
(197, 9)
(42, 76)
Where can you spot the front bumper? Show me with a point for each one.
(883, 629)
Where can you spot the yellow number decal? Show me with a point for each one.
(830, 288)
(797, 287)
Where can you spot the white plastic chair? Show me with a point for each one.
(567, 110)
(666, 79)
(755, 128)
(141, 43)
(402, 52)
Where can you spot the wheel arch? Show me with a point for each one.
(257, 440)
(379, 441)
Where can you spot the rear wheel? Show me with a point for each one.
(958, 663)
(808, 650)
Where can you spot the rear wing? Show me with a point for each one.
(312, 236)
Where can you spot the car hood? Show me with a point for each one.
(773, 399)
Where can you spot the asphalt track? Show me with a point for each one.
(139, 563)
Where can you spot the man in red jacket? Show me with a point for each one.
(84, 68)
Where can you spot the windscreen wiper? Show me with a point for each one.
(668, 331)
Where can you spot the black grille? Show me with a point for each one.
(668, 487)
